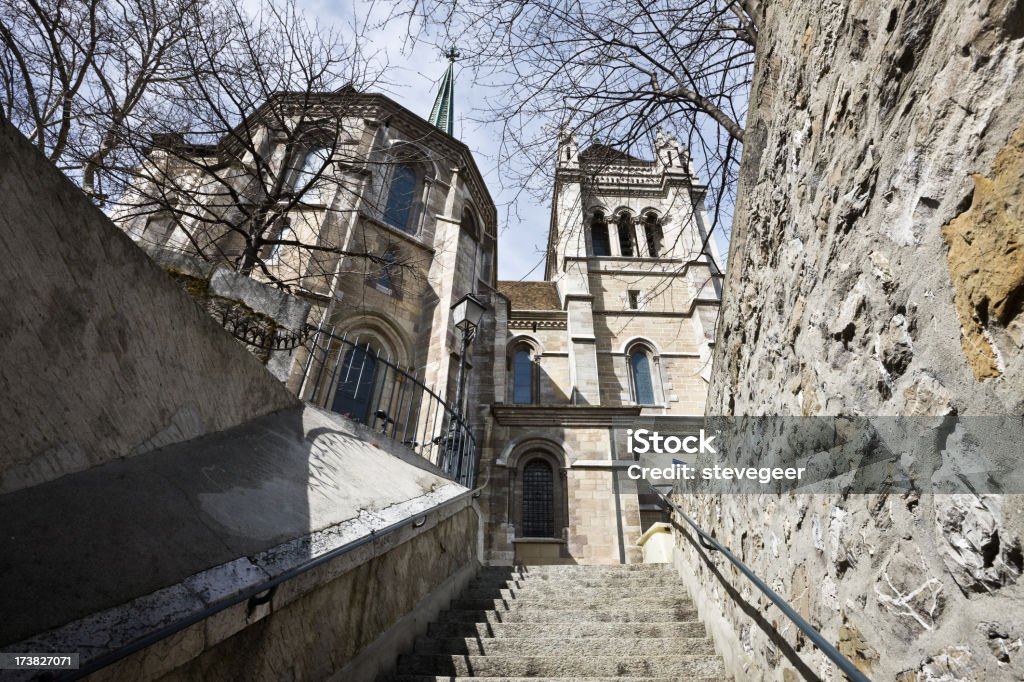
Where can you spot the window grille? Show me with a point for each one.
(356, 384)
(538, 500)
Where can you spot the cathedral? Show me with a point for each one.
(381, 221)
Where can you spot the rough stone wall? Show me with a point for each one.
(105, 355)
(875, 265)
(875, 268)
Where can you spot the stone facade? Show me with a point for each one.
(445, 249)
(628, 291)
(875, 269)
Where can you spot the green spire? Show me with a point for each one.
(443, 113)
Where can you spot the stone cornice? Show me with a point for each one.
(562, 415)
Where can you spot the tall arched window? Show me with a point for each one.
(640, 375)
(653, 234)
(599, 235)
(522, 375)
(468, 224)
(538, 506)
(627, 236)
(355, 384)
(401, 197)
(314, 166)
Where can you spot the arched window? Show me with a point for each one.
(538, 505)
(599, 235)
(653, 234)
(401, 197)
(640, 375)
(486, 260)
(356, 383)
(468, 224)
(314, 166)
(522, 375)
(627, 236)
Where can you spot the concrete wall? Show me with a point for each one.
(104, 355)
(875, 268)
(351, 626)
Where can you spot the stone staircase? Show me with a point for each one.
(625, 622)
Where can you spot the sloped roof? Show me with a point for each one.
(530, 295)
(603, 153)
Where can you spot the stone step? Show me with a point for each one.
(451, 678)
(637, 580)
(574, 601)
(531, 592)
(577, 569)
(553, 646)
(533, 614)
(564, 631)
(692, 666)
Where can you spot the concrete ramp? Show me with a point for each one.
(105, 556)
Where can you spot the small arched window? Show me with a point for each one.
(640, 375)
(627, 236)
(538, 506)
(599, 235)
(401, 197)
(522, 375)
(653, 234)
(386, 276)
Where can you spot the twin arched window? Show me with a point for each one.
(653, 234)
(641, 375)
(626, 233)
(600, 242)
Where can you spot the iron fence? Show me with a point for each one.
(351, 377)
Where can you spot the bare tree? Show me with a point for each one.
(77, 76)
(616, 71)
(199, 125)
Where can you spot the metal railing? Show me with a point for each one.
(350, 376)
(709, 543)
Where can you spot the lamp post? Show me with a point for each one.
(466, 314)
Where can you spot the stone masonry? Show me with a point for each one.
(875, 269)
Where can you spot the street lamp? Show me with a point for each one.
(467, 313)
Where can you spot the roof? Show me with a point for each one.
(602, 153)
(530, 295)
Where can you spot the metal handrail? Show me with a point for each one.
(709, 542)
(343, 372)
(256, 595)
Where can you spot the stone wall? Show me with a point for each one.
(105, 355)
(875, 268)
